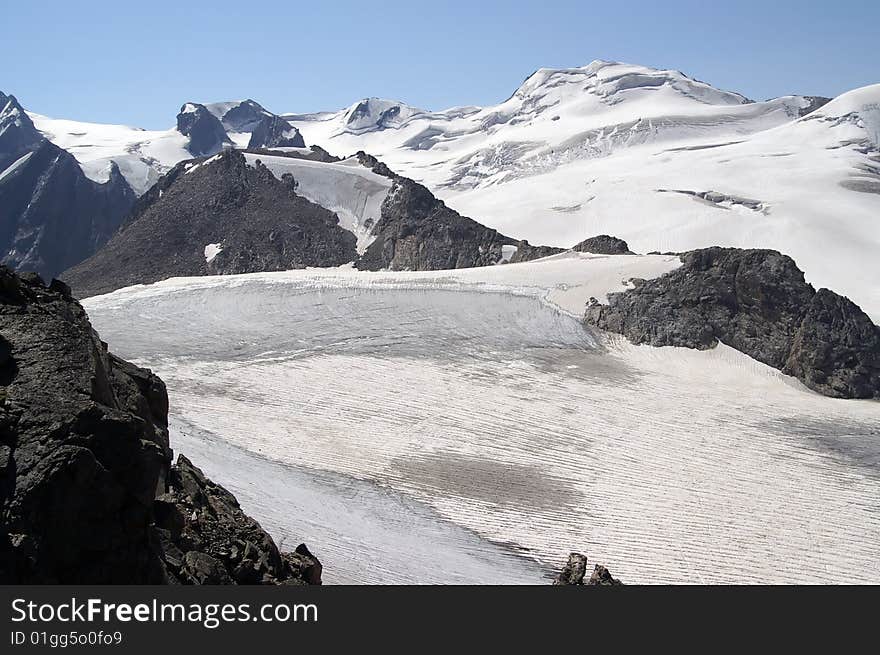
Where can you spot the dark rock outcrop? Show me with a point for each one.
(275, 132)
(205, 132)
(758, 302)
(51, 215)
(575, 570)
(418, 232)
(87, 493)
(205, 538)
(244, 116)
(813, 103)
(258, 222)
(603, 245)
(526, 252)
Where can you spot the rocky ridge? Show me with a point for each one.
(215, 216)
(757, 302)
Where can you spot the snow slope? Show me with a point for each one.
(352, 191)
(477, 394)
(142, 155)
(608, 148)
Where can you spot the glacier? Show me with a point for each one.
(467, 418)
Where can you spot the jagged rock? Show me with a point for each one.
(601, 577)
(758, 302)
(275, 132)
(836, 350)
(205, 132)
(87, 493)
(244, 116)
(418, 232)
(51, 215)
(258, 222)
(603, 245)
(221, 543)
(575, 570)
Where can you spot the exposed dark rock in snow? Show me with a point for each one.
(575, 570)
(721, 200)
(419, 232)
(243, 117)
(205, 132)
(758, 302)
(51, 215)
(813, 103)
(205, 538)
(275, 132)
(253, 221)
(87, 493)
(603, 245)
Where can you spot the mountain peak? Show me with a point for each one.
(373, 114)
(205, 132)
(615, 81)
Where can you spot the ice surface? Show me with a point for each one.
(477, 396)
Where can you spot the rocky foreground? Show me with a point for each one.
(88, 492)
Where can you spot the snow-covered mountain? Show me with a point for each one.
(144, 155)
(51, 215)
(664, 161)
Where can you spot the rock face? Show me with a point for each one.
(87, 493)
(51, 215)
(575, 570)
(205, 132)
(205, 538)
(219, 216)
(418, 232)
(758, 302)
(603, 245)
(275, 132)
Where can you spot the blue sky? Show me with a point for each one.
(137, 62)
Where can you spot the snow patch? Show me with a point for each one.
(18, 163)
(211, 251)
(347, 188)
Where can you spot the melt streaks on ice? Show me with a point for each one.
(507, 418)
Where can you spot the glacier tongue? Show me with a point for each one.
(470, 392)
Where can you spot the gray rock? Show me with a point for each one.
(758, 302)
(836, 350)
(222, 544)
(275, 132)
(205, 132)
(575, 570)
(418, 232)
(603, 245)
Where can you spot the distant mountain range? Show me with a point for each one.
(664, 161)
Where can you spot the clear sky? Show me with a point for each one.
(138, 62)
